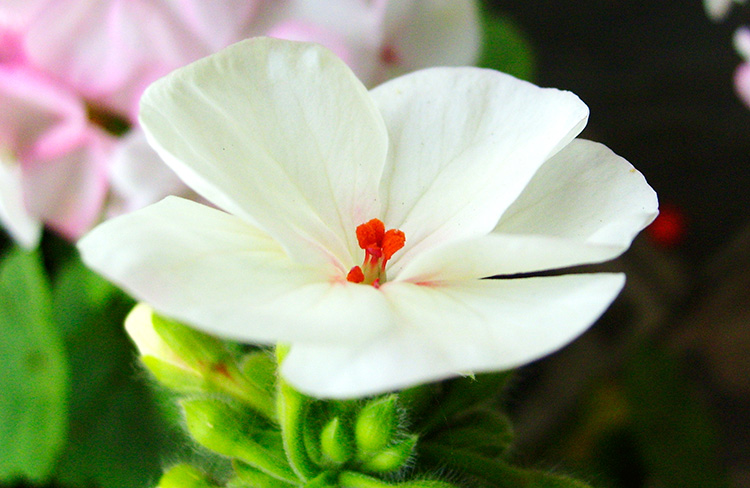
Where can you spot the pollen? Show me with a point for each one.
(379, 246)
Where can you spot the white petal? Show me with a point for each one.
(501, 254)
(216, 272)
(464, 142)
(17, 14)
(585, 205)
(585, 192)
(741, 41)
(25, 229)
(277, 132)
(718, 9)
(444, 331)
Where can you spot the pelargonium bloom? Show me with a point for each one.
(357, 226)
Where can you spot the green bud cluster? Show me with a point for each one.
(238, 409)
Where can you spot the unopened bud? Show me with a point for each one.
(336, 442)
(184, 476)
(393, 457)
(376, 425)
(157, 355)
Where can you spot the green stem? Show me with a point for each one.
(291, 407)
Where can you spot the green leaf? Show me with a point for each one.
(119, 437)
(675, 434)
(251, 477)
(351, 479)
(460, 395)
(505, 48)
(486, 432)
(34, 379)
(489, 472)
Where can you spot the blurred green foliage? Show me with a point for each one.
(73, 410)
(504, 47)
(34, 378)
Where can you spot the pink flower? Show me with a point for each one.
(68, 69)
(52, 167)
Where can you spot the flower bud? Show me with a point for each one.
(393, 457)
(376, 425)
(157, 355)
(184, 476)
(336, 442)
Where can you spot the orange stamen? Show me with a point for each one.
(379, 247)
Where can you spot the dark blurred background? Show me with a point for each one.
(658, 393)
(657, 76)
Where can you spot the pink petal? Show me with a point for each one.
(68, 191)
(18, 14)
(33, 107)
(217, 23)
(138, 177)
(110, 50)
(298, 30)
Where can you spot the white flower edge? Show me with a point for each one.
(456, 328)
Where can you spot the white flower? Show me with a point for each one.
(478, 170)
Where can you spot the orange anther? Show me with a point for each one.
(355, 275)
(370, 234)
(393, 240)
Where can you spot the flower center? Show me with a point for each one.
(379, 246)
